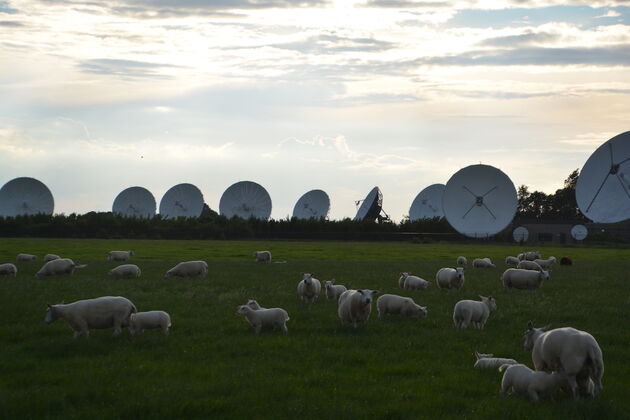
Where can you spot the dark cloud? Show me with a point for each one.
(124, 68)
(520, 40)
(10, 24)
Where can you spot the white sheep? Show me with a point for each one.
(488, 361)
(567, 350)
(262, 256)
(521, 256)
(26, 257)
(188, 269)
(58, 267)
(529, 265)
(450, 278)
(531, 384)
(125, 270)
(509, 260)
(99, 313)
(415, 283)
(483, 263)
(119, 255)
(51, 257)
(355, 306)
(333, 291)
(265, 318)
(8, 269)
(394, 304)
(523, 279)
(141, 321)
(252, 303)
(531, 255)
(467, 311)
(462, 261)
(309, 288)
(545, 264)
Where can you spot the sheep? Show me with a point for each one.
(401, 280)
(529, 265)
(483, 263)
(566, 261)
(355, 306)
(8, 269)
(450, 278)
(309, 288)
(415, 283)
(394, 304)
(521, 256)
(26, 257)
(125, 270)
(262, 256)
(254, 304)
(523, 279)
(545, 264)
(509, 260)
(488, 361)
(265, 318)
(119, 255)
(98, 313)
(333, 291)
(531, 255)
(462, 261)
(467, 311)
(567, 350)
(141, 321)
(188, 269)
(525, 382)
(51, 257)
(58, 267)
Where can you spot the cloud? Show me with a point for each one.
(125, 68)
(10, 24)
(609, 14)
(330, 43)
(527, 38)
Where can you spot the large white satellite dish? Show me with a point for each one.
(182, 200)
(579, 232)
(314, 204)
(25, 196)
(520, 234)
(428, 203)
(479, 201)
(134, 202)
(246, 199)
(602, 190)
(371, 207)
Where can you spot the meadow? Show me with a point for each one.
(213, 366)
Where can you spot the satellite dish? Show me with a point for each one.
(520, 234)
(428, 203)
(371, 207)
(314, 204)
(579, 232)
(246, 199)
(134, 202)
(602, 190)
(25, 196)
(182, 200)
(479, 201)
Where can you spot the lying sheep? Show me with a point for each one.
(188, 269)
(119, 255)
(8, 269)
(567, 350)
(566, 261)
(125, 270)
(450, 278)
(467, 311)
(531, 384)
(545, 264)
(355, 306)
(529, 265)
(51, 257)
(523, 279)
(141, 321)
(309, 288)
(415, 283)
(333, 291)
(394, 304)
(58, 267)
(98, 313)
(265, 318)
(512, 261)
(487, 361)
(462, 261)
(483, 263)
(262, 256)
(26, 257)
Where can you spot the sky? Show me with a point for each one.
(336, 95)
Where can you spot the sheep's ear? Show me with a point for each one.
(375, 292)
(483, 297)
(360, 291)
(49, 305)
(476, 353)
(530, 325)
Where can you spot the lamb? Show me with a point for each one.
(188, 269)
(355, 306)
(566, 261)
(58, 267)
(483, 263)
(51, 257)
(487, 361)
(462, 261)
(512, 261)
(309, 288)
(125, 270)
(528, 383)
(26, 257)
(467, 311)
(567, 350)
(265, 318)
(262, 256)
(99, 313)
(8, 269)
(333, 291)
(415, 283)
(546, 264)
(523, 279)
(394, 304)
(450, 278)
(141, 321)
(254, 304)
(529, 265)
(119, 255)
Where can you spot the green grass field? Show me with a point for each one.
(214, 366)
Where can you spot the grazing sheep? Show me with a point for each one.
(567, 350)
(462, 261)
(487, 361)
(512, 260)
(265, 318)
(125, 270)
(26, 257)
(566, 261)
(119, 255)
(531, 384)
(141, 321)
(521, 256)
(467, 311)
(546, 264)
(99, 313)
(450, 278)
(394, 304)
(483, 263)
(58, 267)
(529, 265)
(188, 269)
(523, 279)
(51, 257)
(309, 288)
(531, 255)
(262, 256)
(8, 269)
(355, 306)
(333, 291)
(415, 283)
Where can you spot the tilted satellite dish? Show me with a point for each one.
(246, 199)
(371, 207)
(479, 201)
(314, 204)
(182, 200)
(134, 202)
(579, 232)
(25, 196)
(428, 203)
(602, 190)
(520, 234)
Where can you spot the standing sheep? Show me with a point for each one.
(450, 278)
(530, 384)
(333, 291)
(462, 261)
(531, 255)
(8, 269)
(523, 279)
(58, 267)
(355, 306)
(483, 263)
(262, 256)
(125, 270)
(51, 257)
(309, 288)
(512, 261)
(394, 304)
(415, 283)
(467, 311)
(265, 318)
(254, 304)
(188, 269)
(529, 265)
(26, 257)
(141, 321)
(119, 255)
(546, 264)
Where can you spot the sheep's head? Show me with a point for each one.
(329, 285)
(243, 309)
(544, 275)
(253, 304)
(308, 278)
(422, 311)
(532, 334)
(404, 275)
(459, 273)
(367, 295)
(52, 314)
(489, 301)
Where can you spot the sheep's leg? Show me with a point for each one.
(284, 327)
(533, 394)
(165, 330)
(573, 385)
(77, 334)
(258, 328)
